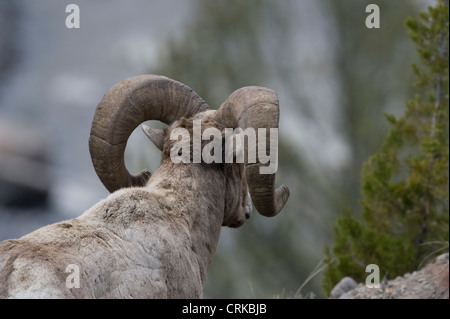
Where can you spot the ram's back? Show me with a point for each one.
(113, 249)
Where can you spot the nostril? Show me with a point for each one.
(247, 215)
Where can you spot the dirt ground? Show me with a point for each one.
(429, 282)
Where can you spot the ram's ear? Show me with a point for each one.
(155, 135)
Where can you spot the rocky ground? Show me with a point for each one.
(429, 282)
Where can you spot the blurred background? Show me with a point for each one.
(334, 77)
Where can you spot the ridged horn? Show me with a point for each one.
(256, 107)
(123, 107)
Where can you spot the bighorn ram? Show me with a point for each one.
(155, 235)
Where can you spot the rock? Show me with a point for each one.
(346, 284)
(429, 282)
(442, 258)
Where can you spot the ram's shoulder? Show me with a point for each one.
(127, 206)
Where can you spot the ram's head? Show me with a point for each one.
(149, 97)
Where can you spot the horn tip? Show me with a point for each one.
(282, 194)
(285, 193)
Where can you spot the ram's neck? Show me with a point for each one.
(196, 196)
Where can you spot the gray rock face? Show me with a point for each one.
(345, 285)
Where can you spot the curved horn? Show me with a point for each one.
(256, 107)
(125, 106)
